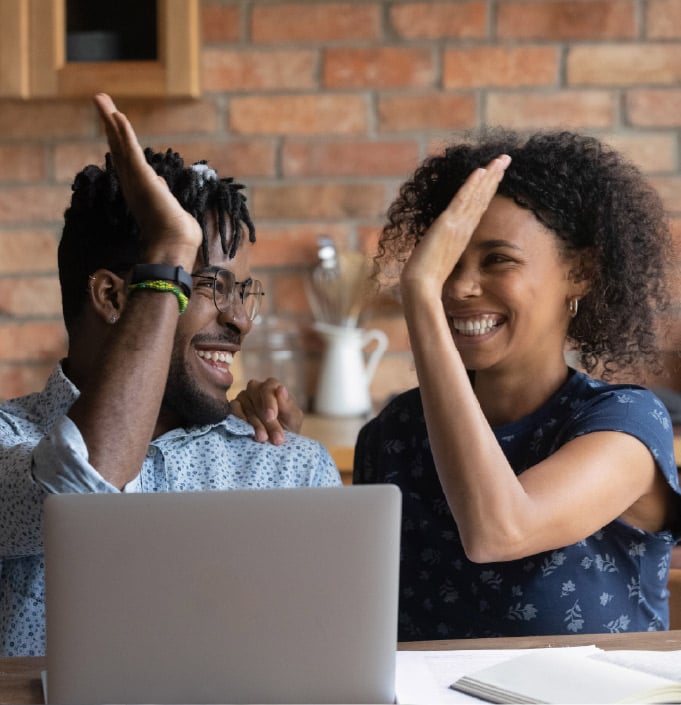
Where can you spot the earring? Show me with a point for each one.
(91, 281)
(114, 318)
(573, 306)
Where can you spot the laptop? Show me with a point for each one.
(241, 596)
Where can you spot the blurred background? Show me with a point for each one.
(321, 108)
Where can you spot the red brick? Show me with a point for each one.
(299, 115)
(663, 19)
(316, 22)
(386, 67)
(220, 23)
(438, 144)
(501, 66)
(232, 71)
(35, 341)
(431, 111)
(22, 163)
(17, 380)
(30, 296)
(567, 109)
(460, 20)
(239, 159)
(166, 117)
(38, 118)
(348, 158)
(318, 201)
(72, 157)
(568, 19)
(289, 294)
(19, 204)
(293, 245)
(669, 188)
(26, 251)
(653, 108)
(624, 64)
(651, 152)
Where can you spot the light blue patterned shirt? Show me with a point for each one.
(42, 452)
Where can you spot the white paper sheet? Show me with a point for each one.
(424, 677)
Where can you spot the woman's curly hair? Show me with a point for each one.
(596, 203)
(100, 232)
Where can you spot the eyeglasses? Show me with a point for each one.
(227, 291)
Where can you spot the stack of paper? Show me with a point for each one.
(562, 676)
(584, 674)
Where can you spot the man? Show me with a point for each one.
(157, 298)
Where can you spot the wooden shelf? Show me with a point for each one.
(33, 55)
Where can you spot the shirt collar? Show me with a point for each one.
(58, 395)
(231, 424)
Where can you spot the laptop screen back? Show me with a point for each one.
(242, 596)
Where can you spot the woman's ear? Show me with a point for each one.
(107, 293)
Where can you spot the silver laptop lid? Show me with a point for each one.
(245, 596)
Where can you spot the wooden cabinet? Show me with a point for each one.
(33, 56)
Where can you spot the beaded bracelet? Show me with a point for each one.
(163, 285)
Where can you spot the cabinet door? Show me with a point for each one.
(13, 48)
(33, 58)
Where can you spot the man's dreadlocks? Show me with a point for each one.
(100, 232)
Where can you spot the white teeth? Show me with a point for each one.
(216, 356)
(474, 326)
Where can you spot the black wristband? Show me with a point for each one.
(177, 275)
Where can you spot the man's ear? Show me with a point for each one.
(107, 293)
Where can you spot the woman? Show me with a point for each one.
(537, 500)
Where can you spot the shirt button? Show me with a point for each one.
(151, 451)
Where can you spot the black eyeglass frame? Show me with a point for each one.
(237, 287)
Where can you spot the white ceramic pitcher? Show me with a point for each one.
(344, 376)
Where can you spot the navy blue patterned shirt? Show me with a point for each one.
(42, 451)
(612, 581)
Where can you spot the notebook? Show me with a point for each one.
(567, 676)
(242, 596)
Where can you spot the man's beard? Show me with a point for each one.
(186, 400)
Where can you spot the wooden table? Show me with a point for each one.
(20, 677)
(654, 641)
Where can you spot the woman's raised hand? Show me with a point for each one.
(269, 408)
(436, 255)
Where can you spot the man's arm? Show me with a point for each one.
(117, 410)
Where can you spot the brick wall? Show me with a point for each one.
(322, 108)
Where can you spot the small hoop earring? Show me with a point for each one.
(91, 281)
(573, 306)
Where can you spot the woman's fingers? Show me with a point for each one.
(471, 200)
(445, 241)
(267, 407)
